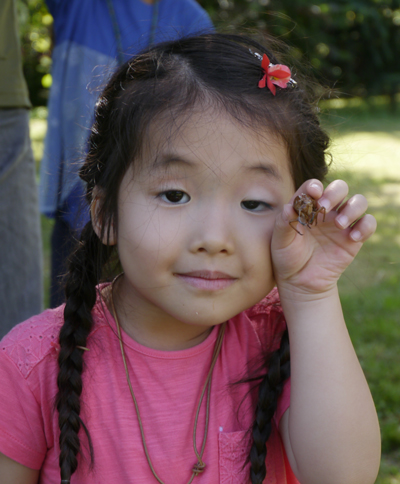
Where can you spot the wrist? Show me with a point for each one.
(295, 295)
(303, 308)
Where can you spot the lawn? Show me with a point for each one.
(366, 153)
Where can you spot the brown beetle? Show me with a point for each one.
(308, 211)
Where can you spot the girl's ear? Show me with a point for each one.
(105, 234)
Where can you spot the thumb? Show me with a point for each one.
(284, 234)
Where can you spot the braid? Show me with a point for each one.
(269, 392)
(84, 274)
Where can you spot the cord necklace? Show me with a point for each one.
(199, 467)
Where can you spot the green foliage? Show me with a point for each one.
(352, 44)
(35, 34)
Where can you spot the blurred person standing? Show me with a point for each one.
(20, 235)
(91, 39)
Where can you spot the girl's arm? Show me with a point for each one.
(12, 472)
(330, 432)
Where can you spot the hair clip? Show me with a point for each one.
(274, 74)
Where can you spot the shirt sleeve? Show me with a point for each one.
(22, 436)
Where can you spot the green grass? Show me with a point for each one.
(366, 153)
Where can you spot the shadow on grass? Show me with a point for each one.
(342, 122)
(364, 116)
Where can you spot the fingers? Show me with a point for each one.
(330, 198)
(350, 215)
(333, 195)
(350, 211)
(363, 229)
(312, 187)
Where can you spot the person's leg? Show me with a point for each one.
(20, 234)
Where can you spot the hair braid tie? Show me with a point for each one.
(269, 392)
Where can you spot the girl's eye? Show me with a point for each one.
(255, 206)
(175, 196)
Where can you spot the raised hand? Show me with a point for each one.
(313, 263)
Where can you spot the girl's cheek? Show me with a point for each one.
(256, 243)
(263, 226)
(162, 229)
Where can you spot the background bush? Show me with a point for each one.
(353, 45)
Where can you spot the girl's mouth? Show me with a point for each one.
(207, 280)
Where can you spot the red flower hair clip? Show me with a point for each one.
(274, 74)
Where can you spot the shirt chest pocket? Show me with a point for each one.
(234, 450)
(234, 462)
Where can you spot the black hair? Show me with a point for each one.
(172, 78)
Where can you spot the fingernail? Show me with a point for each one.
(356, 235)
(343, 221)
(316, 186)
(324, 202)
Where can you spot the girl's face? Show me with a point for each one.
(194, 228)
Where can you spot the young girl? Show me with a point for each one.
(178, 371)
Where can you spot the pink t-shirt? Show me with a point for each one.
(167, 386)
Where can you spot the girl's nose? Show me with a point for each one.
(213, 235)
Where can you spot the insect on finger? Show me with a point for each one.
(307, 210)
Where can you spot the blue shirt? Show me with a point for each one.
(84, 57)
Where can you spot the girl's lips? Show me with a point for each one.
(207, 280)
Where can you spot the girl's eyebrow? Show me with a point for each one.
(166, 160)
(169, 160)
(269, 170)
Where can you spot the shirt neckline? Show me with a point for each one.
(105, 315)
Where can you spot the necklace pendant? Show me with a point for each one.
(198, 468)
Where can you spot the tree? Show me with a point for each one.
(35, 32)
(352, 44)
